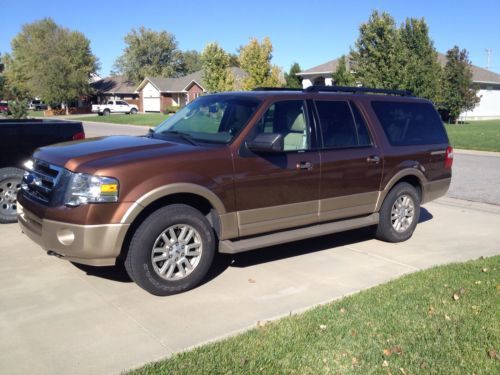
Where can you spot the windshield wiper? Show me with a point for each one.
(185, 136)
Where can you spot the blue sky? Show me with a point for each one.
(308, 32)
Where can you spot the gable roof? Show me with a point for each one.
(114, 85)
(479, 75)
(181, 84)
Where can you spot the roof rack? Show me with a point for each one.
(354, 90)
(357, 90)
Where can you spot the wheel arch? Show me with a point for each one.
(412, 176)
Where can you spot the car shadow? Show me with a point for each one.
(259, 256)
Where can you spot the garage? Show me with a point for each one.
(152, 104)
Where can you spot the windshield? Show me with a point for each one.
(213, 118)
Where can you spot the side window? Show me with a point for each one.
(410, 123)
(363, 135)
(337, 124)
(110, 102)
(287, 118)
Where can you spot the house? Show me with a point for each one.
(114, 88)
(156, 93)
(487, 81)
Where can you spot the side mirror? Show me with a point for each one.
(267, 143)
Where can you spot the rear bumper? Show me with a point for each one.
(435, 189)
(97, 245)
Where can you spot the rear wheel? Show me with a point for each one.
(171, 251)
(133, 111)
(106, 112)
(399, 214)
(10, 183)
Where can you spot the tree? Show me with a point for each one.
(216, 74)
(292, 80)
(192, 61)
(378, 55)
(255, 60)
(421, 71)
(342, 75)
(459, 93)
(2, 78)
(149, 53)
(50, 62)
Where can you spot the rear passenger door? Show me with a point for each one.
(351, 163)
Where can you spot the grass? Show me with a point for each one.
(147, 119)
(35, 113)
(411, 325)
(476, 135)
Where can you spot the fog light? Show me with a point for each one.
(65, 236)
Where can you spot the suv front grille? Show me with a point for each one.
(40, 181)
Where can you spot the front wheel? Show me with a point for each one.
(399, 214)
(106, 112)
(171, 251)
(10, 183)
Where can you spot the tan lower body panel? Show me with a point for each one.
(348, 206)
(96, 245)
(435, 189)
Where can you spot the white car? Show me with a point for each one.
(114, 106)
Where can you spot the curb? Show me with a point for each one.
(477, 152)
(471, 205)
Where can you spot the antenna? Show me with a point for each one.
(488, 52)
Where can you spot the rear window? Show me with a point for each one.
(410, 123)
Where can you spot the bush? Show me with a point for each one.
(170, 109)
(18, 109)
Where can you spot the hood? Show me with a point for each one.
(95, 153)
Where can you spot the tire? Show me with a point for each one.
(133, 111)
(153, 239)
(402, 201)
(106, 112)
(10, 183)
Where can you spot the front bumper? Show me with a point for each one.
(97, 245)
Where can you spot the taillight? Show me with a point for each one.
(79, 135)
(448, 160)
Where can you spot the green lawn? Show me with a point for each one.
(35, 113)
(440, 321)
(145, 119)
(476, 135)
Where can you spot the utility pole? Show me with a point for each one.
(488, 52)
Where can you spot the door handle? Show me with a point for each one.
(373, 159)
(305, 165)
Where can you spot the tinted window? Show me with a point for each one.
(410, 123)
(363, 136)
(338, 126)
(287, 118)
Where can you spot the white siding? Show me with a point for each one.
(151, 98)
(487, 108)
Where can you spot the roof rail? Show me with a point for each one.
(357, 90)
(275, 89)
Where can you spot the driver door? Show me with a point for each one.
(279, 190)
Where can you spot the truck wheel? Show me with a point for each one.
(171, 251)
(10, 183)
(106, 112)
(399, 214)
(133, 111)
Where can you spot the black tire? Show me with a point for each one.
(106, 112)
(139, 262)
(10, 183)
(386, 231)
(133, 111)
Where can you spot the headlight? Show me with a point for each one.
(85, 188)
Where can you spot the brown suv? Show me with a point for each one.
(233, 172)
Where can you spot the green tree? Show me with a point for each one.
(50, 62)
(459, 93)
(342, 75)
(3, 85)
(378, 55)
(421, 71)
(216, 74)
(192, 61)
(149, 53)
(292, 80)
(255, 60)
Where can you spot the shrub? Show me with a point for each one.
(170, 109)
(18, 109)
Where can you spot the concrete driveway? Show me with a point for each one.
(56, 317)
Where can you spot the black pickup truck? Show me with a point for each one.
(18, 140)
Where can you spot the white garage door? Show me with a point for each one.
(151, 104)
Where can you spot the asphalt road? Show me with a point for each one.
(98, 129)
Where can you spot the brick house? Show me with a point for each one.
(114, 88)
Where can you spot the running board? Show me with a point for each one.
(238, 246)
